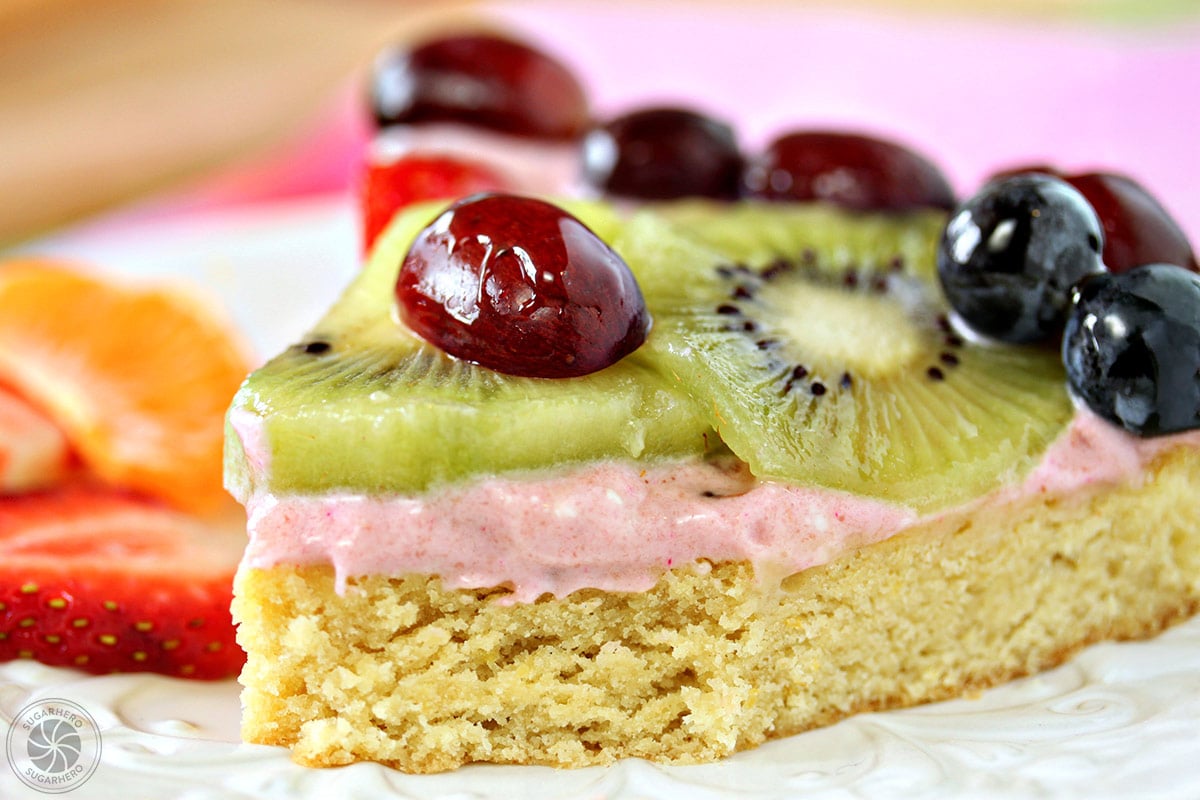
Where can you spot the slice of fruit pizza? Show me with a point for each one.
(561, 482)
(117, 545)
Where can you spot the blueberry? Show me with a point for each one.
(1010, 255)
(1132, 348)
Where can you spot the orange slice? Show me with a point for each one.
(138, 378)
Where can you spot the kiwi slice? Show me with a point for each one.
(362, 404)
(819, 346)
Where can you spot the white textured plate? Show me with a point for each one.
(1121, 720)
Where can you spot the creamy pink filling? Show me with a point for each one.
(611, 526)
(618, 526)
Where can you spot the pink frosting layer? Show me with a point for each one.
(617, 526)
(611, 526)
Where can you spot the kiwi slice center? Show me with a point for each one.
(865, 334)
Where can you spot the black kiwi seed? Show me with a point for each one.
(799, 372)
(949, 359)
(817, 388)
(845, 381)
(935, 373)
(726, 308)
(779, 266)
(317, 347)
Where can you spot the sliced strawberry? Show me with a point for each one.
(416, 177)
(105, 581)
(34, 452)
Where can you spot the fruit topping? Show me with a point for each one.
(103, 581)
(479, 79)
(663, 154)
(1132, 348)
(813, 341)
(1137, 229)
(857, 172)
(522, 287)
(1010, 255)
(417, 177)
(137, 379)
(361, 406)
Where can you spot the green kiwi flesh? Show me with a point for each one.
(811, 343)
(364, 405)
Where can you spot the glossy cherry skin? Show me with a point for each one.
(522, 287)
(663, 154)
(482, 80)
(858, 172)
(1137, 228)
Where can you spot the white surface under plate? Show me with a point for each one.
(1120, 720)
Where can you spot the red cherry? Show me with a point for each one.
(854, 171)
(391, 186)
(663, 154)
(522, 287)
(1138, 230)
(479, 79)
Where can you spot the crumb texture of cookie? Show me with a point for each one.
(715, 658)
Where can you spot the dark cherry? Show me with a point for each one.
(1132, 348)
(859, 172)
(663, 154)
(479, 79)
(522, 287)
(1137, 228)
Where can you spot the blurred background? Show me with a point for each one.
(104, 101)
(108, 102)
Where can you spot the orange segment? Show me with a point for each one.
(138, 378)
